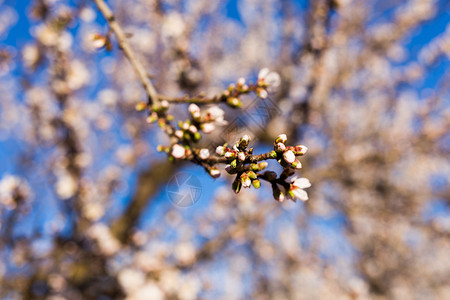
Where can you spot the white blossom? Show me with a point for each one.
(173, 25)
(66, 186)
(297, 186)
(271, 79)
(30, 55)
(207, 127)
(263, 73)
(216, 114)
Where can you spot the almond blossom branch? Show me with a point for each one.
(247, 168)
(239, 160)
(230, 95)
(121, 37)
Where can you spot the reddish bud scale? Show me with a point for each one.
(300, 150)
(231, 154)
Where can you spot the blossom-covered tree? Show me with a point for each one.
(342, 104)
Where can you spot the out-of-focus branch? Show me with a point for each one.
(148, 184)
(121, 37)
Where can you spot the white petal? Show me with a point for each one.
(301, 183)
(207, 127)
(263, 73)
(273, 79)
(300, 194)
(216, 112)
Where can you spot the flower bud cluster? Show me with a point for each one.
(175, 151)
(156, 111)
(237, 158)
(237, 155)
(209, 119)
(187, 131)
(267, 82)
(286, 155)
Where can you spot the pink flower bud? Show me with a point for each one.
(179, 134)
(280, 147)
(98, 41)
(282, 138)
(192, 129)
(241, 81)
(261, 93)
(165, 104)
(220, 150)
(185, 126)
(241, 156)
(178, 151)
(300, 150)
(245, 181)
(231, 154)
(214, 172)
(196, 115)
(193, 108)
(204, 154)
(289, 156)
(296, 164)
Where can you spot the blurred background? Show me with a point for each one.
(90, 210)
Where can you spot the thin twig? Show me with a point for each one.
(121, 37)
(197, 100)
